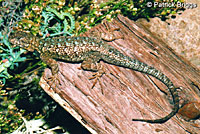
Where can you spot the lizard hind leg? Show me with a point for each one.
(91, 64)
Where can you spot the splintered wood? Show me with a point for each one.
(108, 108)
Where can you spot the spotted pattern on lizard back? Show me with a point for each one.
(89, 51)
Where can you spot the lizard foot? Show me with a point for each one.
(97, 76)
(53, 81)
(111, 35)
(91, 65)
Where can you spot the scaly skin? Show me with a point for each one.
(89, 51)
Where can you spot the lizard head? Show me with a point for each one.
(23, 40)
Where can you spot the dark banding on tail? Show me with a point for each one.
(117, 58)
(144, 68)
(170, 115)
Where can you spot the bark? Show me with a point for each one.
(124, 94)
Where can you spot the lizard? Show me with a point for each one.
(89, 51)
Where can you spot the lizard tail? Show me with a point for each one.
(144, 68)
(170, 115)
(136, 65)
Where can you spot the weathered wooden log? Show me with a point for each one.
(109, 107)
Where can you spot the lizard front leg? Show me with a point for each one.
(54, 68)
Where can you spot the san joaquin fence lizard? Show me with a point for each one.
(89, 51)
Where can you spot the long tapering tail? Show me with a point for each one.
(125, 61)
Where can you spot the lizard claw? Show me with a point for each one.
(53, 81)
(97, 76)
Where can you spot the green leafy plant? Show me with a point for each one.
(9, 58)
(57, 28)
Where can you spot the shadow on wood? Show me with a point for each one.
(127, 94)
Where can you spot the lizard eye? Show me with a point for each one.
(19, 39)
